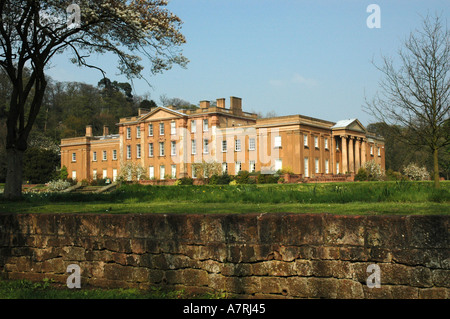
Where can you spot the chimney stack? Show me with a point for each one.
(221, 103)
(204, 104)
(236, 105)
(105, 130)
(89, 131)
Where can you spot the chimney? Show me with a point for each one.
(89, 131)
(221, 103)
(236, 105)
(105, 130)
(204, 104)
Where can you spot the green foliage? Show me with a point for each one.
(40, 165)
(63, 174)
(243, 177)
(223, 179)
(361, 175)
(186, 181)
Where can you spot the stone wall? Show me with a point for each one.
(245, 255)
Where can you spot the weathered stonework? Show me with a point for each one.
(248, 255)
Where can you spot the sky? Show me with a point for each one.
(314, 58)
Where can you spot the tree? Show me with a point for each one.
(32, 32)
(416, 94)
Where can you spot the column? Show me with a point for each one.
(357, 154)
(344, 161)
(363, 151)
(332, 155)
(351, 155)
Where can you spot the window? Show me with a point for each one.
(237, 145)
(224, 146)
(251, 144)
(74, 157)
(326, 143)
(193, 126)
(150, 149)
(161, 149)
(278, 164)
(252, 166)
(371, 150)
(174, 171)
(114, 174)
(105, 174)
(128, 151)
(173, 148)
(337, 146)
(326, 167)
(224, 168)
(193, 147)
(337, 167)
(316, 142)
(150, 130)
(151, 172)
(105, 156)
(237, 167)
(205, 125)
(305, 140)
(316, 166)
(277, 141)
(161, 128)
(173, 128)
(306, 161)
(194, 172)
(128, 133)
(94, 175)
(205, 146)
(162, 172)
(138, 132)
(379, 151)
(114, 155)
(74, 175)
(138, 150)
(94, 156)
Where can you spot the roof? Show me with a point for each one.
(343, 123)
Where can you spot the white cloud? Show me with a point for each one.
(298, 79)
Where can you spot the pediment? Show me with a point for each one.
(350, 125)
(160, 113)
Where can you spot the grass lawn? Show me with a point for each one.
(335, 198)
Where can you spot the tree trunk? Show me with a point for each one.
(13, 185)
(436, 168)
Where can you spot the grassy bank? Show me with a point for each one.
(25, 289)
(336, 198)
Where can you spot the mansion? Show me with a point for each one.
(167, 142)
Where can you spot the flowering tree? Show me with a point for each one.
(32, 32)
(373, 170)
(415, 172)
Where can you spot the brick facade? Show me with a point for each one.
(166, 142)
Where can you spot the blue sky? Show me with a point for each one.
(287, 56)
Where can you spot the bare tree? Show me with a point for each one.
(32, 32)
(414, 96)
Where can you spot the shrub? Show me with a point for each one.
(242, 177)
(361, 175)
(223, 179)
(233, 182)
(394, 176)
(186, 181)
(63, 174)
(373, 170)
(416, 173)
(58, 185)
